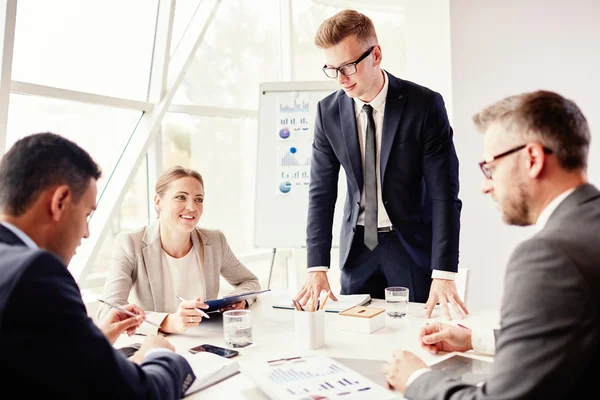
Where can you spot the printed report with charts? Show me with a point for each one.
(314, 377)
(344, 302)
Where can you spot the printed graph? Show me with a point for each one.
(293, 169)
(316, 378)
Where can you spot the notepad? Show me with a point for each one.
(345, 301)
(209, 369)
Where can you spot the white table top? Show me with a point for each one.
(273, 334)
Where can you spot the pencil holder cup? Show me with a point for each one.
(310, 329)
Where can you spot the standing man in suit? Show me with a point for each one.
(50, 347)
(401, 219)
(535, 161)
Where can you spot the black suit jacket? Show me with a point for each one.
(50, 348)
(419, 176)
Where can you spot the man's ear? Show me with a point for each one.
(61, 198)
(377, 55)
(536, 158)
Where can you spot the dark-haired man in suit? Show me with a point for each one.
(49, 346)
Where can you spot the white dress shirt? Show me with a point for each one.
(383, 220)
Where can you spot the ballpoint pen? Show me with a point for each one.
(126, 312)
(205, 315)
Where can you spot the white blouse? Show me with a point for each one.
(177, 273)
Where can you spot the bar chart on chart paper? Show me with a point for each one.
(316, 377)
(293, 169)
(294, 113)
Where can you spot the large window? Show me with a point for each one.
(102, 131)
(240, 50)
(102, 47)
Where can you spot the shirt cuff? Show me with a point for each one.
(439, 274)
(157, 350)
(415, 375)
(316, 269)
(483, 341)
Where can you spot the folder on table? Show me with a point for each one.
(344, 302)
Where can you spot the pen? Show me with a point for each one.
(326, 297)
(205, 315)
(284, 359)
(462, 326)
(126, 312)
(297, 305)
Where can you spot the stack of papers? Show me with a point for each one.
(344, 302)
(209, 369)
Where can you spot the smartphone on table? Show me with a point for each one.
(227, 353)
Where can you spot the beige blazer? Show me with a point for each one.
(135, 269)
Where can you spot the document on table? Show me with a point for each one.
(314, 377)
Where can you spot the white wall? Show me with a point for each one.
(507, 47)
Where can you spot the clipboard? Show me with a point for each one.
(216, 304)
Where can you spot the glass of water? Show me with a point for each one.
(237, 328)
(396, 298)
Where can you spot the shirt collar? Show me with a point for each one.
(547, 212)
(20, 234)
(378, 103)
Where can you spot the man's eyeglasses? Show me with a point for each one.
(487, 170)
(346, 69)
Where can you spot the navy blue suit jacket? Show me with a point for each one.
(419, 176)
(50, 348)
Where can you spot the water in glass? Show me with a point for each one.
(397, 301)
(237, 328)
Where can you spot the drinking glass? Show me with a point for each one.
(237, 328)
(396, 298)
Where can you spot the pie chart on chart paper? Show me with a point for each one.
(284, 133)
(285, 187)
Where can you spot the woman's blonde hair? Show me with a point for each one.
(171, 175)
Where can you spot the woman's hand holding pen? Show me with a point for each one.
(185, 317)
(117, 322)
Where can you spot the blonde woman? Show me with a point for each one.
(152, 265)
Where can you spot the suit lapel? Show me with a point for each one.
(209, 271)
(394, 105)
(152, 256)
(350, 134)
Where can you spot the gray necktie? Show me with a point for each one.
(370, 181)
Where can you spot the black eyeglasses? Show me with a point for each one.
(487, 170)
(346, 69)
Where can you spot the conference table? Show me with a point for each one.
(274, 338)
